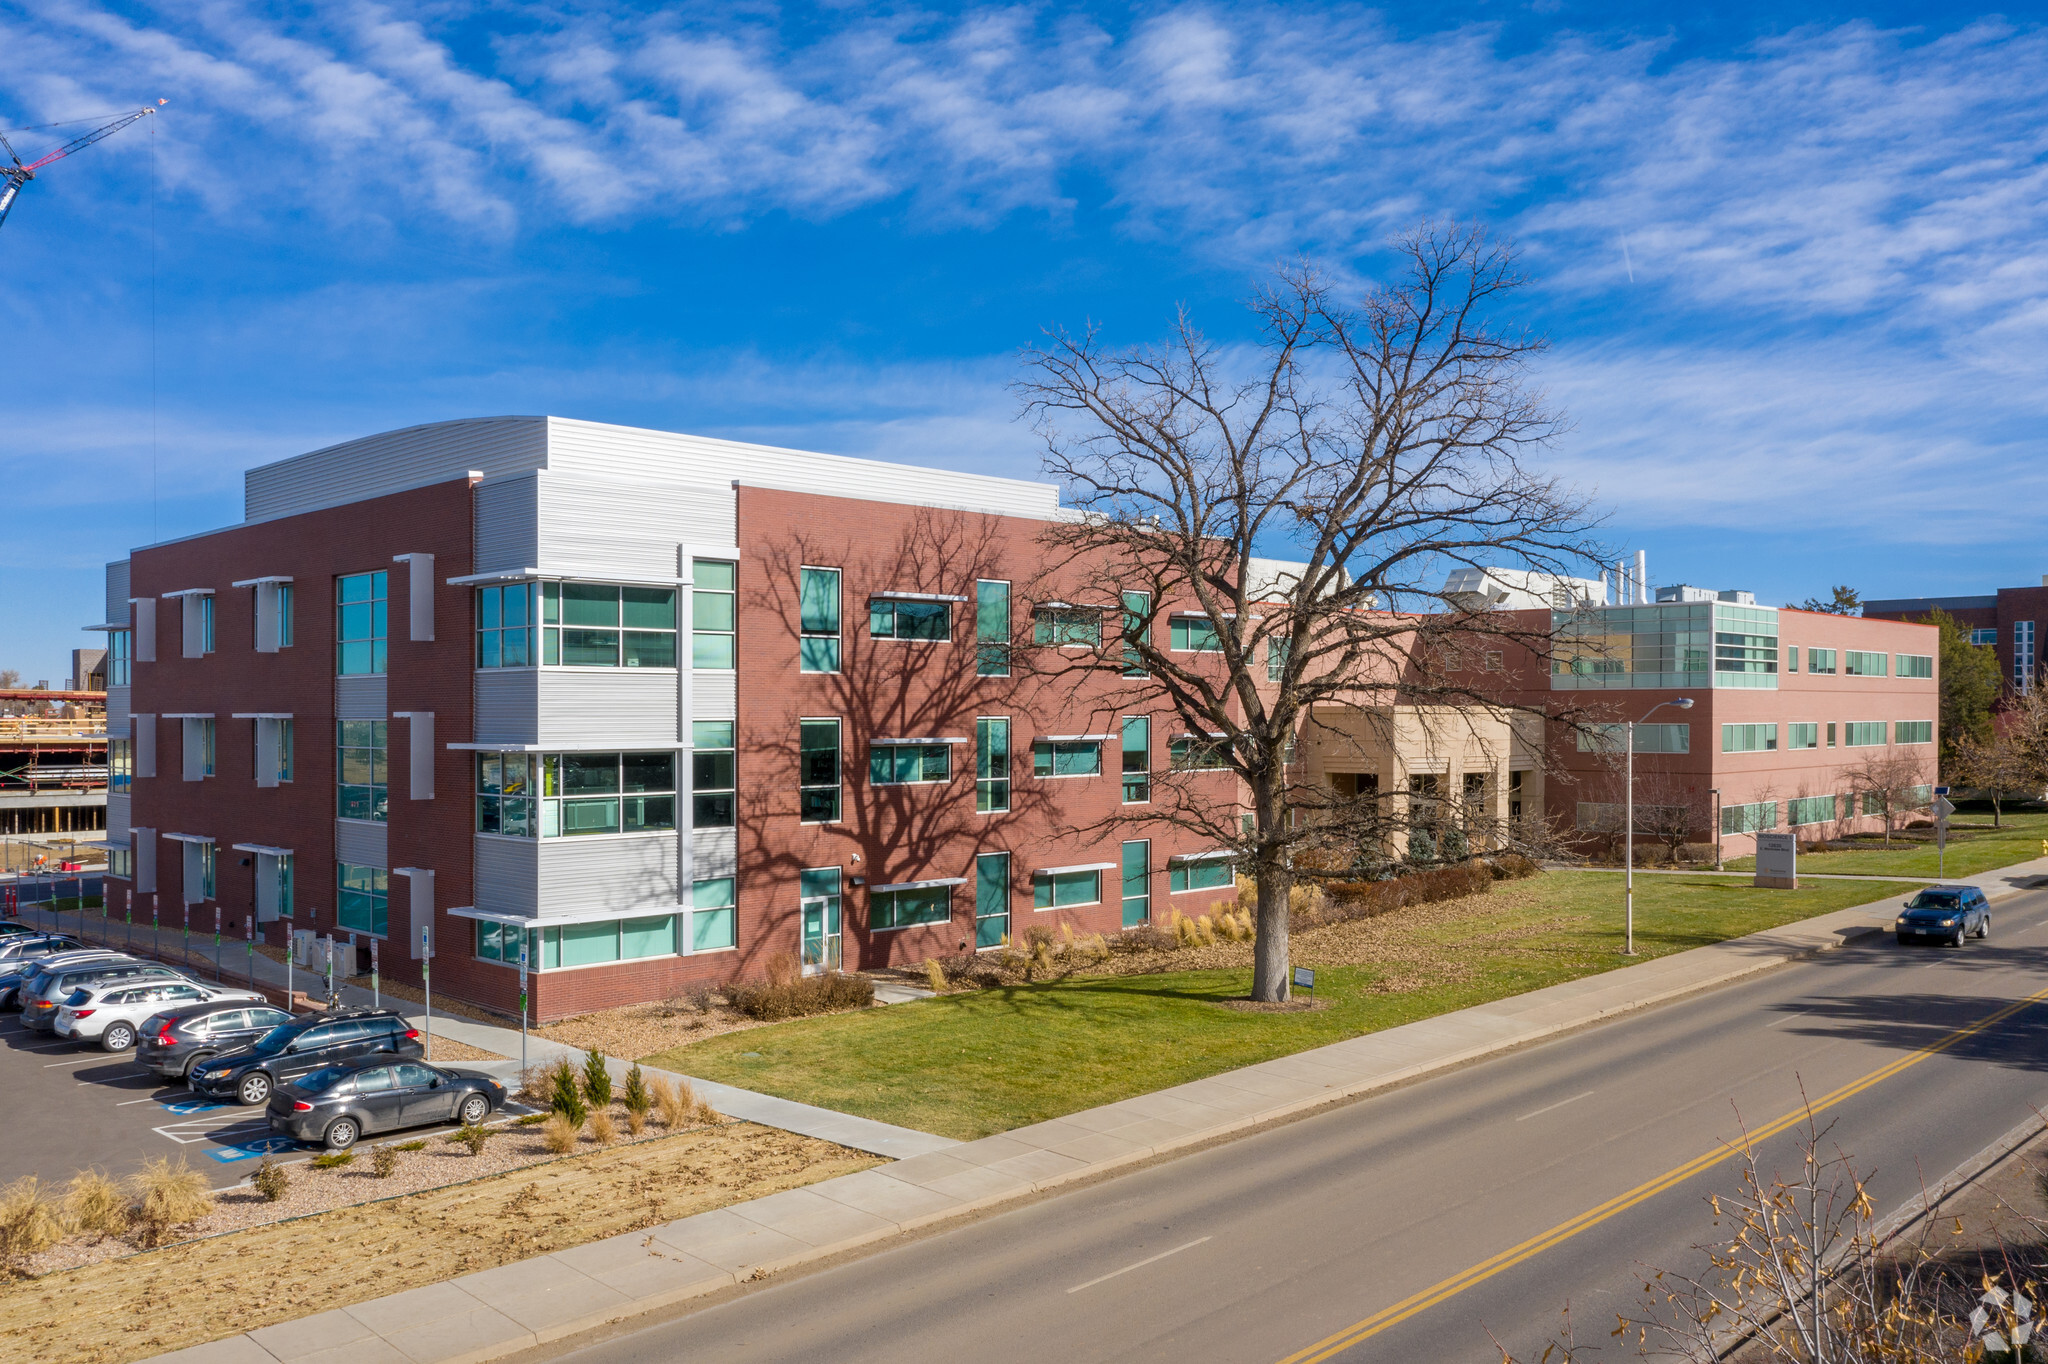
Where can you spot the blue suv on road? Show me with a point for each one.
(1945, 914)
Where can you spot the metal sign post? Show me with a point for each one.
(249, 931)
(522, 1001)
(128, 933)
(376, 1001)
(186, 948)
(218, 973)
(1942, 810)
(156, 929)
(328, 966)
(427, 986)
(1305, 979)
(291, 948)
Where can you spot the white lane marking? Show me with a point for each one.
(125, 1102)
(1786, 1019)
(116, 1079)
(1559, 1104)
(1140, 1265)
(48, 1046)
(103, 1059)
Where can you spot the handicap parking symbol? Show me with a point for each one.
(249, 1150)
(186, 1107)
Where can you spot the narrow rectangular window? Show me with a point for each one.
(1137, 610)
(818, 620)
(1137, 882)
(284, 615)
(120, 765)
(208, 738)
(1831, 736)
(992, 628)
(1066, 758)
(361, 623)
(991, 764)
(1137, 759)
(1195, 635)
(909, 764)
(1063, 627)
(890, 909)
(120, 658)
(1792, 658)
(714, 779)
(284, 749)
(362, 905)
(507, 787)
(2023, 656)
(714, 614)
(896, 618)
(284, 886)
(1276, 659)
(818, 771)
(361, 769)
(1067, 889)
(714, 915)
(206, 624)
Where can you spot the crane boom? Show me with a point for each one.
(14, 176)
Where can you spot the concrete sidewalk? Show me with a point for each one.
(515, 1307)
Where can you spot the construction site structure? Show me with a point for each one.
(53, 776)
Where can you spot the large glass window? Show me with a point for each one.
(506, 785)
(1066, 758)
(1195, 634)
(1611, 738)
(362, 905)
(504, 625)
(1633, 647)
(909, 764)
(1809, 810)
(818, 771)
(714, 775)
(992, 628)
(1820, 661)
(1749, 738)
(567, 795)
(1751, 818)
(1061, 890)
(1740, 652)
(1862, 663)
(120, 658)
(1137, 610)
(1915, 665)
(714, 917)
(1863, 734)
(991, 764)
(602, 625)
(362, 749)
(1066, 626)
(1196, 754)
(818, 621)
(1983, 634)
(1208, 873)
(1137, 760)
(907, 908)
(1913, 732)
(714, 614)
(361, 623)
(897, 618)
(120, 765)
(1799, 735)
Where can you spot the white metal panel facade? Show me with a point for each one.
(714, 853)
(362, 843)
(361, 698)
(594, 527)
(117, 594)
(619, 874)
(508, 523)
(599, 707)
(507, 874)
(117, 712)
(391, 462)
(507, 706)
(714, 696)
(118, 816)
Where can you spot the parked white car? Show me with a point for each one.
(110, 1014)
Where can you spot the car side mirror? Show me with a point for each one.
(290, 1048)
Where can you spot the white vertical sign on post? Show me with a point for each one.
(427, 984)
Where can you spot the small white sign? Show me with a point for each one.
(1777, 860)
(1942, 808)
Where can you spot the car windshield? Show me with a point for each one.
(1935, 899)
(324, 1079)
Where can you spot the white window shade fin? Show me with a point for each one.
(422, 908)
(193, 609)
(143, 612)
(145, 745)
(267, 593)
(420, 595)
(266, 749)
(419, 750)
(266, 887)
(145, 861)
(195, 747)
(195, 871)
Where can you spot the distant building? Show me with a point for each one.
(2010, 620)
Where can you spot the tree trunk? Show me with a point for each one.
(1270, 976)
(1996, 823)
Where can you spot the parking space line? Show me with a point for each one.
(48, 1046)
(81, 1061)
(115, 1079)
(152, 1099)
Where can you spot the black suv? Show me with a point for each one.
(174, 1041)
(301, 1047)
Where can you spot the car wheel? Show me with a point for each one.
(1957, 940)
(1984, 929)
(117, 1037)
(474, 1110)
(193, 1064)
(254, 1089)
(342, 1134)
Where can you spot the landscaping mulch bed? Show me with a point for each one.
(643, 1029)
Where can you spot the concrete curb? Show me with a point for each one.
(499, 1312)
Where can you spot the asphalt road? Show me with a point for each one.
(1411, 1225)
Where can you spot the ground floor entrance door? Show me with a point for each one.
(819, 902)
(991, 899)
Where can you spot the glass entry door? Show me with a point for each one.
(818, 890)
(991, 899)
(1137, 882)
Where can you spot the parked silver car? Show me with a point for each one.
(112, 1013)
(47, 988)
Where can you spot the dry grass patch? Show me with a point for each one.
(184, 1295)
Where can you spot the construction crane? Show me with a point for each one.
(13, 177)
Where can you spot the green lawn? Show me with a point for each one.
(973, 1064)
(1973, 847)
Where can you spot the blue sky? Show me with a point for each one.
(1791, 258)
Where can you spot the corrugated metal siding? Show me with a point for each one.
(117, 712)
(117, 594)
(616, 874)
(392, 462)
(362, 843)
(604, 706)
(118, 817)
(714, 852)
(714, 696)
(507, 706)
(592, 527)
(633, 455)
(507, 875)
(508, 523)
(361, 698)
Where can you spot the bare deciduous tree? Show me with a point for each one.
(1895, 780)
(1377, 445)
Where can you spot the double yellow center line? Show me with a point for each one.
(1332, 1345)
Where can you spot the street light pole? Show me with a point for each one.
(1715, 792)
(1628, 837)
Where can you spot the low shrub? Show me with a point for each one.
(94, 1202)
(420, 1143)
(530, 1120)
(536, 1086)
(271, 1179)
(636, 1097)
(475, 1138)
(597, 1081)
(603, 1130)
(168, 1196)
(384, 1161)
(558, 1134)
(788, 993)
(1347, 900)
(30, 1218)
(333, 1160)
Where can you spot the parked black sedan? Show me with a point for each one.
(1945, 914)
(337, 1104)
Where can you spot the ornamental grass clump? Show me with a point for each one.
(669, 1103)
(475, 1138)
(935, 976)
(558, 1134)
(31, 1219)
(168, 1196)
(788, 993)
(334, 1160)
(603, 1130)
(94, 1202)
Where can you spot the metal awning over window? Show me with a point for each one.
(921, 885)
(1085, 866)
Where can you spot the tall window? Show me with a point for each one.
(898, 618)
(1820, 660)
(507, 789)
(1137, 763)
(361, 760)
(284, 615)
(1062, 626)
(602, 625)
(714, 614)
(120, 764)
(818, 622)
(209, 735)
(363, 903)
(992, 628)
(818, 771)
(909, 764)
(120, 658)
(1792, 658)
(282, 884)
(361, 626)
(1195, 635)
(1066, 758)
(714, 775)
(284, 747)
(206, 624)
(1137, 610)
(714, 917)
(1749, 738)
(991, 764)
(504, 626)
(2023, 656)
(1862, 663)
(1137, 879)
(1276, 659)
